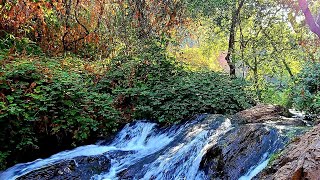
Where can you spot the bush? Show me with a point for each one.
(306, 96)
(10, 44)
(39, 104)
(185, 96)
(152, 86)
(278, 95)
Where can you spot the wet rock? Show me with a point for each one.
(83, 167)
(300, 160)
(316, 120)
(117, 154)
(240, 149)
(261, 113)
(258, 114)
(125, 174)
(284, 121)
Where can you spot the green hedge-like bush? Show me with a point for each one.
(185, 96)
(306, 93)
(152, 86)
(42, 105)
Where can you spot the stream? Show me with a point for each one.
(142, 150)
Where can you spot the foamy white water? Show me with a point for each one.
(256, 169)
(143, 151)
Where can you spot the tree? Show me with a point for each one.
(261, 45)
(232, 31)
(313, 24)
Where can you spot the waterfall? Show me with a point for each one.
(142, 150)
(255, 170)
(172, 154)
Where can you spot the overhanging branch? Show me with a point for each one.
(314, 27)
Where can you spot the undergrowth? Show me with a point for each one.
(69, 102)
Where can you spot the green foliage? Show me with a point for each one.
(39, 103)
(265, 45)
(274, 157)
(215, 9)
(3, 157)
(200, 58)
(307, 90)
(275, 94)
(193, 93)
(151, 86)
(12, 44)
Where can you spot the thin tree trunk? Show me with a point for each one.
(144, 26)
(231, 43)
(256, 78)
(67, 6)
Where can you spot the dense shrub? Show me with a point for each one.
(307, 90)
(185, 96)
(38, 103)
(152, 86)
(279, 94)
(10, 45)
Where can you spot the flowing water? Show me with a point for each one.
(144, 151)
(253, 171)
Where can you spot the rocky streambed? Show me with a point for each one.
(207, 147)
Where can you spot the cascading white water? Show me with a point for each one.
(180, 160)
(256, 169)
(143, 151)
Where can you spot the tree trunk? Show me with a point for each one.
(314, 26)
(143, 23)
(67, 6)
(256, 78)
(232, 32)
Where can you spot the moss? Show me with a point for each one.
(274, 157)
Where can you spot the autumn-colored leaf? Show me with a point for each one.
(32, 85)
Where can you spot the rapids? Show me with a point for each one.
(142, 150)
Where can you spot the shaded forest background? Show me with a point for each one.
(74, 71)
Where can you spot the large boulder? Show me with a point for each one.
(240, 149)
(266, 113)
(300, 160)
(82, 167)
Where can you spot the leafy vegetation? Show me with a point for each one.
(67, 100)
(307, 90)
(41, 99)
(274, 156)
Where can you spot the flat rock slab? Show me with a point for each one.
(266, 113)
